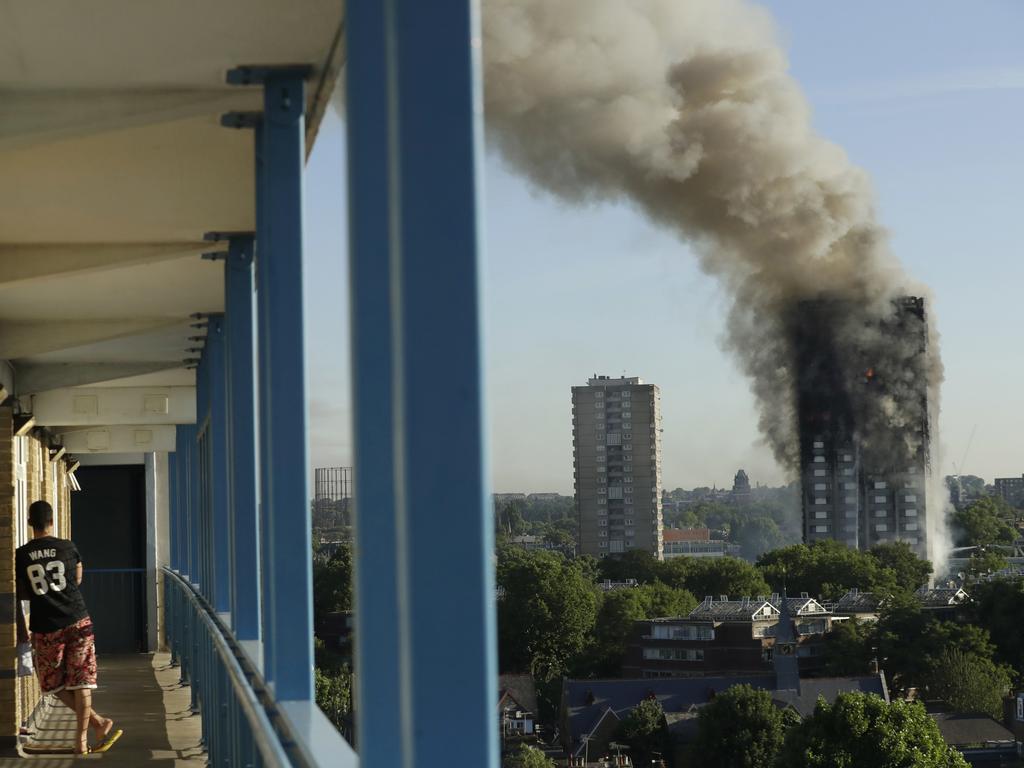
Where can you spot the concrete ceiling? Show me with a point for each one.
(113, 164)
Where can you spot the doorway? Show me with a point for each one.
(108, 525)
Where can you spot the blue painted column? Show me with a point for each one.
(186, 437)
(244, 519)
(284, 494)
(219, 531)
(378, 685)
(266, 470)
(188, 496)
(446, 647)
(199, 479)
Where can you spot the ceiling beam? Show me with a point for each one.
(53, 114)
(26, 338)
(119, 439)
(114, 406)
(31, 378)
(39, 261)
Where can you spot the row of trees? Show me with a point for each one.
(757, 526)
(553, 619)
(825, 568)
(332, 592)
(989, 520)
(743, 727)
(551, 519)
(950, 661)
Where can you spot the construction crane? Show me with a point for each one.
(956, 470)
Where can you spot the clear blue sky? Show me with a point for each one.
(927, 95)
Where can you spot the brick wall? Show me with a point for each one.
(10, 704)
(20, 696)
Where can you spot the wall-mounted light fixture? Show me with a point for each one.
(23, 424)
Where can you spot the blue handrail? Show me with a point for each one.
(241, 726)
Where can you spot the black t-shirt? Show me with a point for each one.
(46, 569)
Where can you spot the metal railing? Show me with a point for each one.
(117, 604)
(240, 726)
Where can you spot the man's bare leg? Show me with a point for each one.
(100, 725)
(83, 713)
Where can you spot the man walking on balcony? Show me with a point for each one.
(49, 571)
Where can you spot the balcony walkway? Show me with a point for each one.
(142, 694)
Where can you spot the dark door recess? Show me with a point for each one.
(108, 523)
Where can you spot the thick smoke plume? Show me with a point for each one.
(685, 109)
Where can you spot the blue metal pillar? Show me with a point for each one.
(181, 529)
(191, 494)
(266, 471)
(429, 390)
(243, 513)
(284, 496)
(265, 542)
(185, 437)
(199, 481)
(376, 589)
(219, 531)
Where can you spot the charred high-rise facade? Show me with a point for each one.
(863, 422)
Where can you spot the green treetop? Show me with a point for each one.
(740, 728)
(861, 731)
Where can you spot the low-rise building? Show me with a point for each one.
(517, 706)
(943, 602)
(727, 637)
(862, 606)
(502, 498)
(530, 542)
(979, 738)
(1010, 490)
(607, 585)
(695, 542)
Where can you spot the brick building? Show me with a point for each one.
(723, 636)
(29, 470)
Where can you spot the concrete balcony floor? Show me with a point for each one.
(142, 694)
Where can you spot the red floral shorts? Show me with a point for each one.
(65, 659)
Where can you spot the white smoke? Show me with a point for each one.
(685, 109)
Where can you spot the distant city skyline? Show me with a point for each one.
(929, 115)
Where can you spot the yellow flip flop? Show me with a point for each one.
(108, 742)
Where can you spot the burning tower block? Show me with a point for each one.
(862, 417)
